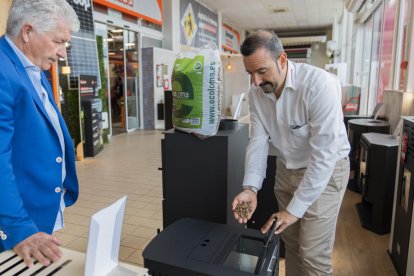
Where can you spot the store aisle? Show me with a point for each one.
(129, 166)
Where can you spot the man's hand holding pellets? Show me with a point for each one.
(244, 205)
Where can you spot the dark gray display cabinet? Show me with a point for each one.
(355, 128)
(402, 231)
(201, 177)
(190, 247)
(92, 110)
(266, 199)
(377, 165)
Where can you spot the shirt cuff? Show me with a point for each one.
(297, 207)
(253, 180)
(251, 188)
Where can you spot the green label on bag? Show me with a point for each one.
(187, 87)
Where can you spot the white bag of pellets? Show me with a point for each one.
(197, 88)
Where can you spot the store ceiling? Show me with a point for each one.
(279, 15)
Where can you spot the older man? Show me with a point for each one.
(37, 167)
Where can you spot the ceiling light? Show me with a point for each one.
(278, 10)
(229, 64)
(66, 70)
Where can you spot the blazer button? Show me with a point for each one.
(1, 233)
(59, 160)
(4, 237)
(58, 189)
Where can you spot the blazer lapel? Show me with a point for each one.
(62, 123)
(21, 71)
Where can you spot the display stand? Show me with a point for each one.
(201, 177)
(355, 128)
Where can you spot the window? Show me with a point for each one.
(370, 61)
(404, 53)
(384, 78)
(375, 58)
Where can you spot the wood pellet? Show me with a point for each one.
(243, 209)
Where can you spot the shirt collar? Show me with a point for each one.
(27, 64)
(290, 76)
(290, 80)
(289, 83)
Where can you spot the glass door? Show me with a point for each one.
(116, 78)
(131, 62)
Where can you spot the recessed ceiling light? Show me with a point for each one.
(278, 10)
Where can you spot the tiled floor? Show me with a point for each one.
(129, 166)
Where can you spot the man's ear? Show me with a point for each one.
(283, 60)
(26, 32)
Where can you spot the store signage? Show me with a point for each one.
(87, 86)
(230, 39)
(199, 25)
(150, 10)
(84, 3)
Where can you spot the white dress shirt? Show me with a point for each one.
(305, 126)
(34, 74)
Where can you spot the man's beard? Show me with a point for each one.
(267, 87)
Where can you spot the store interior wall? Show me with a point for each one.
(4, 12)
(395, 104)
(318, 55)
(153, 84)
(165, 59)
(171, 25)
(236, 81)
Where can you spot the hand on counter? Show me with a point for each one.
(41, 246)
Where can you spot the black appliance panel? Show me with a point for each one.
(404, 200)
(195, 247)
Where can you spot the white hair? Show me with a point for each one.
(42, 14)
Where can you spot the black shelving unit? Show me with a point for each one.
(92, 109)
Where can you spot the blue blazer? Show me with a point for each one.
(30, 170)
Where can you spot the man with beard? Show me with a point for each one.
(297, 108)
